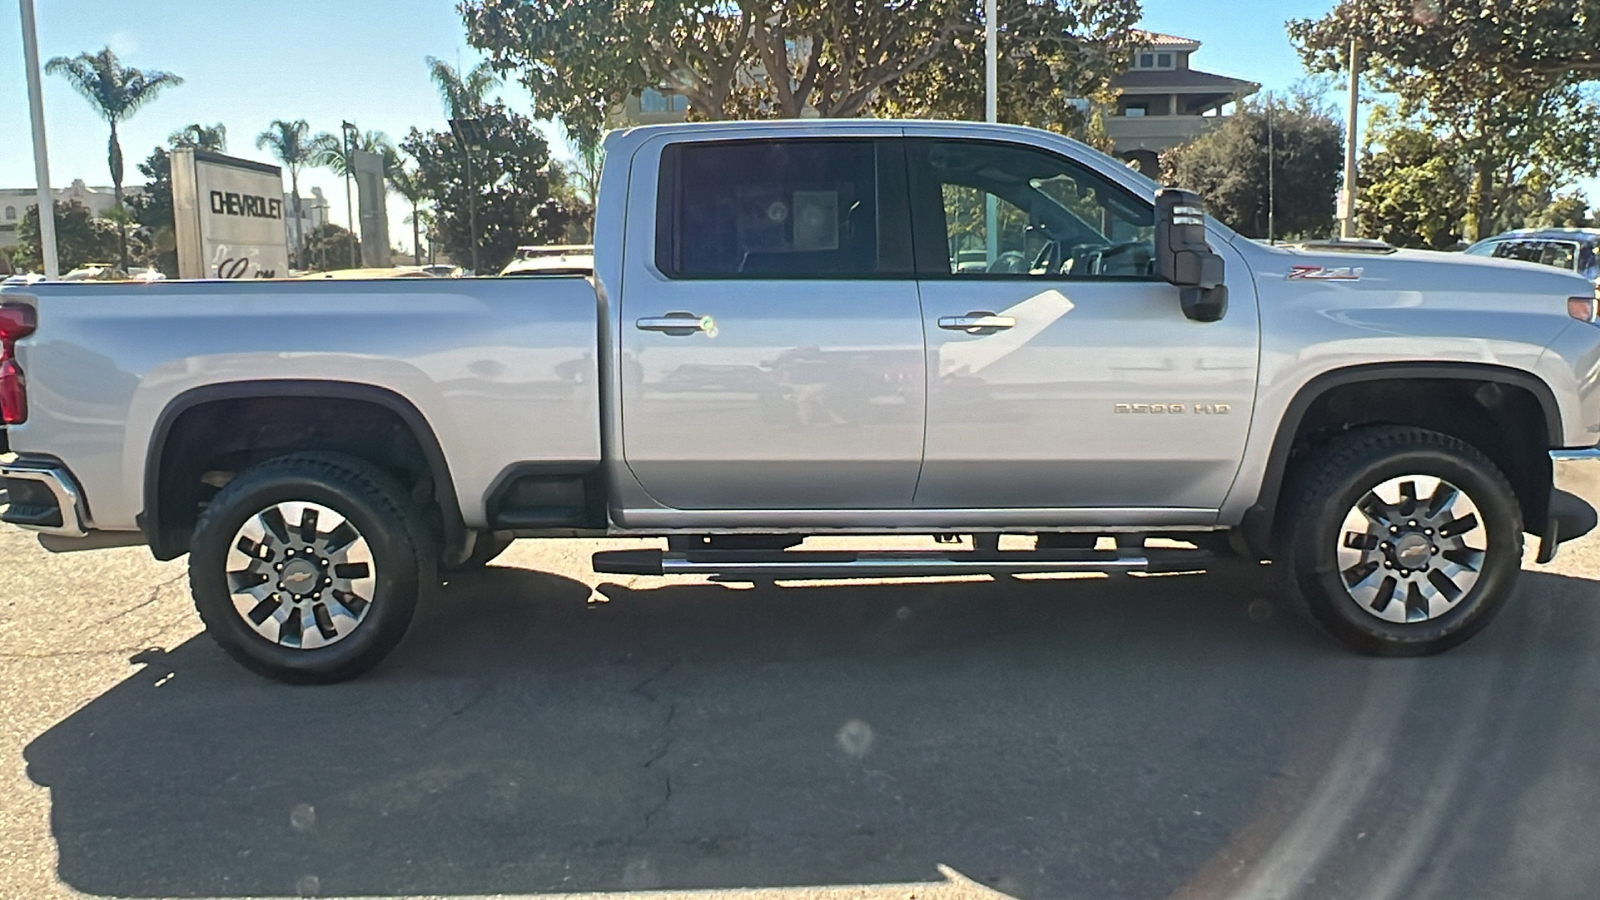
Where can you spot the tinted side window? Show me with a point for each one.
(1527, 251)
(994, 209)
(796, 208)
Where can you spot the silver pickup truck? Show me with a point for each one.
(814, 328)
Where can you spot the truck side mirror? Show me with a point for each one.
(1183, 257)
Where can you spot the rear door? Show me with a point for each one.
(1061, 371)
(771, 338)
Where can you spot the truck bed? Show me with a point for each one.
(505, 372)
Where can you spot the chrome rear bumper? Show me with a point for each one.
(1574, 497)
(44, 498)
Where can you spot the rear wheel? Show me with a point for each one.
(306, 568)
(1403, 542)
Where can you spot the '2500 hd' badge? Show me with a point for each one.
(1325, 273)
(1172, 409)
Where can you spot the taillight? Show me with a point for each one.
(1581, 308)
(16, 322)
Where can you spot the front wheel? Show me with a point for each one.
(1402, 541)
(306, 568)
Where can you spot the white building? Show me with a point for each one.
(15, 203)
(313, 215)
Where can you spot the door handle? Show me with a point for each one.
(676, 324)
(977, 322)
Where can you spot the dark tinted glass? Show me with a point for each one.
(777, 209)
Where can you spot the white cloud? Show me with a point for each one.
(122, 43)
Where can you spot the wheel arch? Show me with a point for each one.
(1258, 523)
(156, 520)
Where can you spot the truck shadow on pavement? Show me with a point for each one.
(1123, 737)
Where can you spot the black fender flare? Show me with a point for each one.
(162, 544)
(1257, 525)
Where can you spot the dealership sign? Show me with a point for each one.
(228, 216)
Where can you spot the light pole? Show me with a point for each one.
(1347, 224)
(991, 113)
(349, 129)
(41, 155)
(471, 135)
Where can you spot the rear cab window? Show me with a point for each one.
(783, 208)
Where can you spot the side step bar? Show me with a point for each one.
(735, 564)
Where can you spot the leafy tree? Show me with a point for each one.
(203, 137)
(80, 238)
(511, 184)
(153, 213)
(1051, 54)
(1568, 210)
(788, 58)
(1228, 166)
(116, 92)
(1501, 78)
(329, 247)
(1417, 185)
(291, 144)
(462, 94)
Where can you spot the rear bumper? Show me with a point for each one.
(1574, 497)
(44, 497)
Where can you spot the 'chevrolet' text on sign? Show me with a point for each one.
(256, 207)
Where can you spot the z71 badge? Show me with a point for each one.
(1325, 273)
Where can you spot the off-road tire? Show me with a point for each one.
(1326, 486)
(373, 503)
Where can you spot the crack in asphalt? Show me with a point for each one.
(155, 593)
(642, 689)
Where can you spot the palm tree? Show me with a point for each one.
(408, 183)
(331, 151)
(462, 94)
(116, 92)
(291, 143)
(203, 137)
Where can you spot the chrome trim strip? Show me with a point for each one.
(61, 486)
(1101, 520)
(1577, 472)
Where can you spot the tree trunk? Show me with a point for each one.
(416, 238)
(1483, 197)
(299, 223)
(114, 156)
(1482, 201)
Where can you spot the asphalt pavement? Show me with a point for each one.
(546, 731)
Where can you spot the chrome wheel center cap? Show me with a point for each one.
(1413, 550)
(299, 576)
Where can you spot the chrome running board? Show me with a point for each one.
(766, 565)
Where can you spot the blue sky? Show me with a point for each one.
(246, 62)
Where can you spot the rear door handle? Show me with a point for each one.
(977, 322)
(676, 324)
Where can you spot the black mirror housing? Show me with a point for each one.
(1185, 259)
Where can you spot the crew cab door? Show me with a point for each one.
(770, 335)
(1061, 372)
